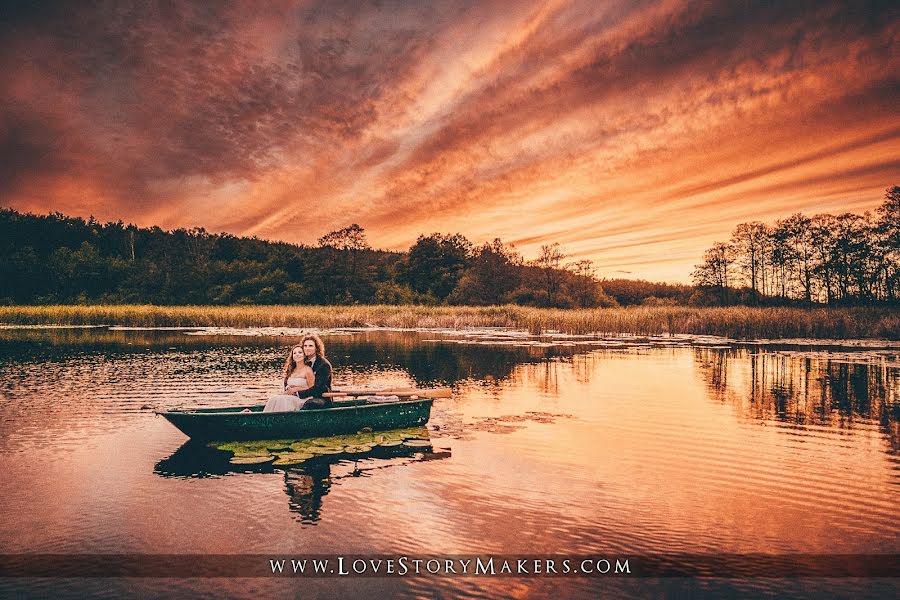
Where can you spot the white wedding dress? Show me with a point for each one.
(286, 402)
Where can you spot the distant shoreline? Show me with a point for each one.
(738, 322)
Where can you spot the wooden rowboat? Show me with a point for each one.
(346, 415)
(406, 392)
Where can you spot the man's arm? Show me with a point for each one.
(322, 383)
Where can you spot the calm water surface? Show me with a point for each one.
(556, 446)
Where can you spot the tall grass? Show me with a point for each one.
(734, 322)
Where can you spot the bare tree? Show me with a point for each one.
(550, 260)
(749, 241)
(793, 239)
(715, 270)
(585, 285)
(832, 258)
(888, 230)
(346, 244)
(349, 238)
(131, 230)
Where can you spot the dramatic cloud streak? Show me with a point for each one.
(634, 133)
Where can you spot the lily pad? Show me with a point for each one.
(250, 460)
(359, 439)
(251, 453)
(292, 458)
(325, 450)
(391, 443)
(252, 446)
(230, 446)
(320, 441)
(335, 450)
(357, 449)
(417, 443)
(279, 444)
(354, 440)
(414, 432)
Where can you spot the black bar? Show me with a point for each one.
(727, 566)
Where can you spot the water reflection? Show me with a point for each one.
(608, 447)
(94, 375)
(305, 484)
(356, 353)
(804, 390)
(63, 341)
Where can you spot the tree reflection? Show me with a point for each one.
(429, 358)
(804, 388)
(439, 361)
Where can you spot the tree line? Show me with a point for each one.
(58, 259)
(49, 259)
(823, 259)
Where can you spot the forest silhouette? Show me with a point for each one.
(56, 259)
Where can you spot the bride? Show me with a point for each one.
(297, 377)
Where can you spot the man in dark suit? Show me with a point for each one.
(314, 353)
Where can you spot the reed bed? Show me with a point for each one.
(732, 322)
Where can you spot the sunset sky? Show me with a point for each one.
(634, 133)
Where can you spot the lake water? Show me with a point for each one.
(550, 447)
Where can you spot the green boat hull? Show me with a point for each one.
(349, 417)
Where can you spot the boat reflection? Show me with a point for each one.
(306, 482)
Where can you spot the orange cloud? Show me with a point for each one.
(635, 134)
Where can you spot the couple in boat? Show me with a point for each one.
(307, 375)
